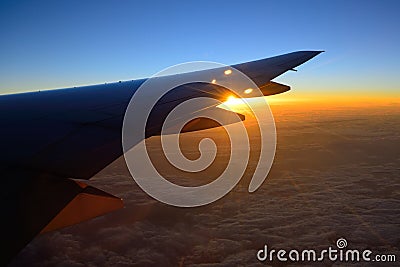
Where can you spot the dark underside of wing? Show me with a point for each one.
(41, 203)
(49, 137)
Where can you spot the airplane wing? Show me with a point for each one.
(49, 138)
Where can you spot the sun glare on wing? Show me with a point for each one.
(232, 103)
(232, 100)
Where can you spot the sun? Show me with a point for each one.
(231, 98)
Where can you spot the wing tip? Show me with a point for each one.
(316, 52)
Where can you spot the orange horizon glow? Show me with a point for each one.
(312, 101)
(301, 98)
(351, 98)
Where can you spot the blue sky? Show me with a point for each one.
(54, 44)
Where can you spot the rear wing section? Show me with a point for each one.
(89, 203)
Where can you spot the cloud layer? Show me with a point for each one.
(336, 174)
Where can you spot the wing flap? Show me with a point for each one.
(89, 203)
(201, 123)
(273, 88)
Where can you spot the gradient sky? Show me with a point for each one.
(55, 44)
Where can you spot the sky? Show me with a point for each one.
(57, 44)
